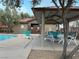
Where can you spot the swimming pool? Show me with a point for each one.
(6, 36)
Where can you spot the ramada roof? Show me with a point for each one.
(72, 15)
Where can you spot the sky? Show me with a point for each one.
(27, 5)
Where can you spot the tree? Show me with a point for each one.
(9, 17)
(12, 3)
(24, 15)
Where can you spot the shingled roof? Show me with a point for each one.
(26, 20)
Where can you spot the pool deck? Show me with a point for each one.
(39, 44)
(14, 48)
(19, 48)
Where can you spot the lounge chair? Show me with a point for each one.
(49, 38)
(52, 36)
(61, 37)
(27, 34)
(71, 38)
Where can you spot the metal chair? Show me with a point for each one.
(70, 39)
(49, 37)
(52, 36)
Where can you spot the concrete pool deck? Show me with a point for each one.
(14, 48)
(39, 44)
(20, 48)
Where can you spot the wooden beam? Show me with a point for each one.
(53, 16)
(74, 18)
(76, 9)
(52, 21)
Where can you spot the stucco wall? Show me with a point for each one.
(20, 28)
(50, 27)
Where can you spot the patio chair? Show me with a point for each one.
(52, 36)
(27, 34)
(71, 38)
(49, 37)
(61, 39)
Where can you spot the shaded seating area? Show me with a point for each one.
(59, 37)
(47, 15)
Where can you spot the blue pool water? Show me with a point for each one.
(6, 37)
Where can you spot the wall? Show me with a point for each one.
(50, 27)
(20, 28)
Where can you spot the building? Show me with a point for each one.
(33, 25)
(27, 24)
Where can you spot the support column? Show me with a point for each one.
(42, 29)
(43, 26)
(58, 27)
